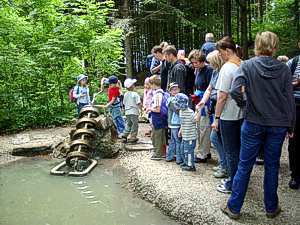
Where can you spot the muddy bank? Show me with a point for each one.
(191, 197)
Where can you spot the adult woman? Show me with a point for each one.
(228, 114)
(270, 113)
(203, 73)
(210, 96)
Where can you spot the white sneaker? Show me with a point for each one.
(221, 188)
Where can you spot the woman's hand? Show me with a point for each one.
(215, 125)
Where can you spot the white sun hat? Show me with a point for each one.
(129, 82)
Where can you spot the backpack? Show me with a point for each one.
(71, 94)
(160, 120)
(294, 64)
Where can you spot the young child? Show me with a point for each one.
(188, 130)
(147, 99)
(114, 104)
(159, 117)
(132, 103)
(174, 125)
(148, 94)
(81, 92)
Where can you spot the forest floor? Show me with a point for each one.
(189, 197)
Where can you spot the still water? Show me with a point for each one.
(30, 196)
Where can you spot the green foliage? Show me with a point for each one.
(279, 18)
(44, 45)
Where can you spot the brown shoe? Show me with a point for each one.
(274, 214)
(229, 213)
(132, 140)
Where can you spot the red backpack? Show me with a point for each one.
(71, 94)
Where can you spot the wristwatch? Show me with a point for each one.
(217, 117)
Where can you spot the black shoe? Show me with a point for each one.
(179, 163)
(259, 161)
(198, 160)
(170, 160)
(188, 168)
(294, 183)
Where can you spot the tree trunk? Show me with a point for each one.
(297, 17)
(227, 18)
(244, 28)
(127, 42)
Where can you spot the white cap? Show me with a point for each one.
(129, 82)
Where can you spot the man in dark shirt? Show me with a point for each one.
(177, 71)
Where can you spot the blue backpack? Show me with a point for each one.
(160, 120)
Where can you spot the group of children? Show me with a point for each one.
(165, 110)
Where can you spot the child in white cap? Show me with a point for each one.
(81, 92)
(132, 103)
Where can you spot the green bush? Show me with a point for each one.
(44, 45)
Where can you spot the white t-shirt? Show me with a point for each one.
(226, 77)
(131, 102)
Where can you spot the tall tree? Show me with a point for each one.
(297, 16)
(244, 26)
(227, 18)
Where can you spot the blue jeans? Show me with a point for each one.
(80, 106)
(253, 137)
(231, 132)
(116, 115)
(188, 148)
(174, 146)
(216, 140)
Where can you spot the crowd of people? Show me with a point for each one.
(212, 97)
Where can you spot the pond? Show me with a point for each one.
(29, 195)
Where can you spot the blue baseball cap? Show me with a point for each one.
(113, 79)
(181, 101)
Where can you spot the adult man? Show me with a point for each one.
(209, 45)
(177, 71)
(294, 142)
(203, 74)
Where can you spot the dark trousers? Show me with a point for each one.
(294, 148)
(254, 137)
(231, 137)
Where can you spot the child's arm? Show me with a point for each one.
(88, 96)
(110, 103)
(179, 133)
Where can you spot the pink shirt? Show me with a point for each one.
(148, 94)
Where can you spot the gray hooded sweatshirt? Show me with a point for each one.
(269, 99)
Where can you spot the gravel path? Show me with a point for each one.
(188, 197)
(191, 198)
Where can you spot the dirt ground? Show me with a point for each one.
(189, 197)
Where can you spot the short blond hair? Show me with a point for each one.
(215, 60)
(266, 43)
(155, 80)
